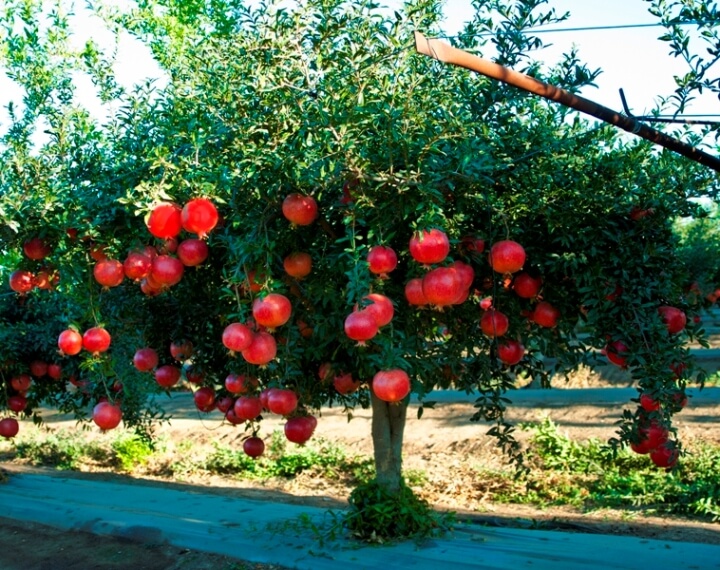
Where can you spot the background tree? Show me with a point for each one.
(328, 103)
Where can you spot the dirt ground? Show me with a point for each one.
(444, 445)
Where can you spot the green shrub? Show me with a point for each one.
(131, 451)
(61, 450)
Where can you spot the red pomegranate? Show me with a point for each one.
(674, 319)
(262, 349)
(166, 271)
(430, 246)
(361, 326)
(9, 427)
(617, 353)
(145, 359)
(22, 281)
(281, 401)
(300, 210)
(442, 286)
(137, 265)
(494, 323)
(107, 415)
(204, 399)
(545, 315)
(181, 350)
(96, 340)
(272, 311)
(36, 249)
(109, 272)
(167, 376)
(240, 384)
(248, 407)
(382, 260)
(414, 292)
(237, 337)
(381, 308)
(165, 220)
(199, 216)
(526, 286)
(192, 252)
(254, 447)
(391, 385)
(511, 352)
(344, 383)
(298, 264)
(300, 429)
(70, 342)
(507, 256)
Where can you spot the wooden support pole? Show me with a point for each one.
(447, 54)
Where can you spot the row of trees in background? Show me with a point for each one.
(310, 214)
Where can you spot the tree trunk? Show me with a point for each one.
(388, 426)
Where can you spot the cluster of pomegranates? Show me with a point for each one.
(158, 270)
(18, 389)
(23, 281)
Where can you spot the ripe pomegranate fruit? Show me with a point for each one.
(248, 407)
(9, 428)
(382, 260)
(166, 271)
(281, 401)
(22, 281)
(361, 326)
(506, 256)
(665, 455)
(254, 447)
(36, 249)
(344, 383)
(137, 265)
(240, 384)
(300, 429)
(429, 246)
(526, 286)
(167, 376)
(96, 340)
(107, 415)
(674, 319)
(165, 220)
(181, 350)
(381, 308)
(192, 252)
(617, 352)
(70, 342)
(38, 368)
(237, 337)
(545, 315)
(442, 286)
(204, 399)
(298, 264)
(391, 385)
(494, 323)
(199, 216)
(109, 272)
(300, 210)
(414, 292)
(272, 311)
(511, 352)
(262, 349)
(21, 383)
(145, 359)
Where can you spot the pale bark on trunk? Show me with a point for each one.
(388, 426)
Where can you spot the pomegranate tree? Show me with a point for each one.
(405, 235)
